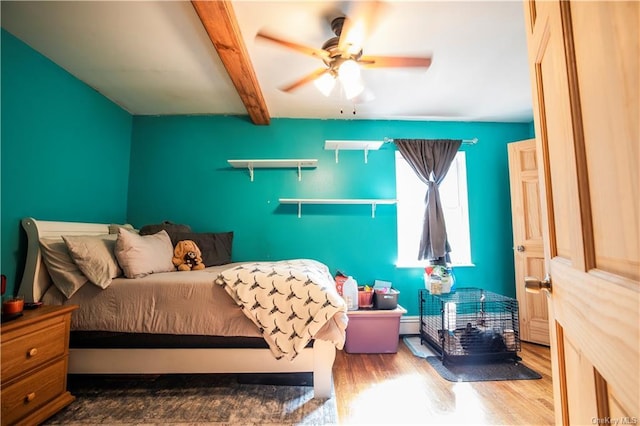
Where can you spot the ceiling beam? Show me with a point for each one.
(220, 22)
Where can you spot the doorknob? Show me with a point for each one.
(520, 248)
(534, 285)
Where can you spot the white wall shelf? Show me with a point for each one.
(365, 146)
(373, 201)
(274, 164)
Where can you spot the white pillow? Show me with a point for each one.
(95, 257)
(141, 255)
(63, 271)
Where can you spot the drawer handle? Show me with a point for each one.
(32, 352)
(30, 397)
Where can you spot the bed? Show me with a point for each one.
(194, 321)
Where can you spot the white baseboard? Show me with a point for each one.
(410, 324)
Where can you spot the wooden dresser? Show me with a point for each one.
(34, 353)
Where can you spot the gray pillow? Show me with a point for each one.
(95, 257)
(215, 247)
(170, 227)
(141, 255)
(64, 273)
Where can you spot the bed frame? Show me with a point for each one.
(317, 359)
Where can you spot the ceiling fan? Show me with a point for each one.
(343, 54)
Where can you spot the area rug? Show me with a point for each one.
(493, 371)
(191, 399)
(476, 372)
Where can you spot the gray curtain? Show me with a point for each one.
(431, 159)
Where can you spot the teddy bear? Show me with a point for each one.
(187, 256)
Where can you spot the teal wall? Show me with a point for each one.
(65, 150)
(179, 172)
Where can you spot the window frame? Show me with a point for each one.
(405, 259)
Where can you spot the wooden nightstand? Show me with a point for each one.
(34, 353)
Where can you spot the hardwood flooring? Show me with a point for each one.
(404, 389)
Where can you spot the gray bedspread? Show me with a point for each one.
(185, 303)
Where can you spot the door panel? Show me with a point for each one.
(584, 66)
(531, 197)
(581, 399)
(612, 169)
(537, 304)
(561, 157)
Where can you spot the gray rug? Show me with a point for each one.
(192, 399)
(485, 372)
(474, 372)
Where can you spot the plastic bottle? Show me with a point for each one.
(446, 281)
(450, 316)
(350, 293)
(453, 281)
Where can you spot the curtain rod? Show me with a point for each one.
(464, 141)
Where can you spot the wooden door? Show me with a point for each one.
(528, 252)
(584, 67)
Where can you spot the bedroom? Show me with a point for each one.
(69, 153)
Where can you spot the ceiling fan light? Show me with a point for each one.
(349, 75)
(349, 71)
(353, 88)
(325, 83)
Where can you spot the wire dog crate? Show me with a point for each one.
(470, 325)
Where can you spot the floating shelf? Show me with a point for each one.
(274, 164)
(373, 201)
(365, 146)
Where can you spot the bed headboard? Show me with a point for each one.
(35, 279)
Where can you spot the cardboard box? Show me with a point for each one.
(373, 331)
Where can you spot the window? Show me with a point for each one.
(410, 192)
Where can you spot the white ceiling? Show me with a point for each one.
(155, 57)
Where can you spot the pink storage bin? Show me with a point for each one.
(374, 331)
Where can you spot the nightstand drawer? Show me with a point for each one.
(27, 395)
(32, 349)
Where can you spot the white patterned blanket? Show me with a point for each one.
(288, 300)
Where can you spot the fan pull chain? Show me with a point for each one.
(354, 110)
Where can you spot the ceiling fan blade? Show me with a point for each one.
(305, 80)
(307, 50)
(359, 25)
(394, 62)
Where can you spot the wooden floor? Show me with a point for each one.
(402, 388)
